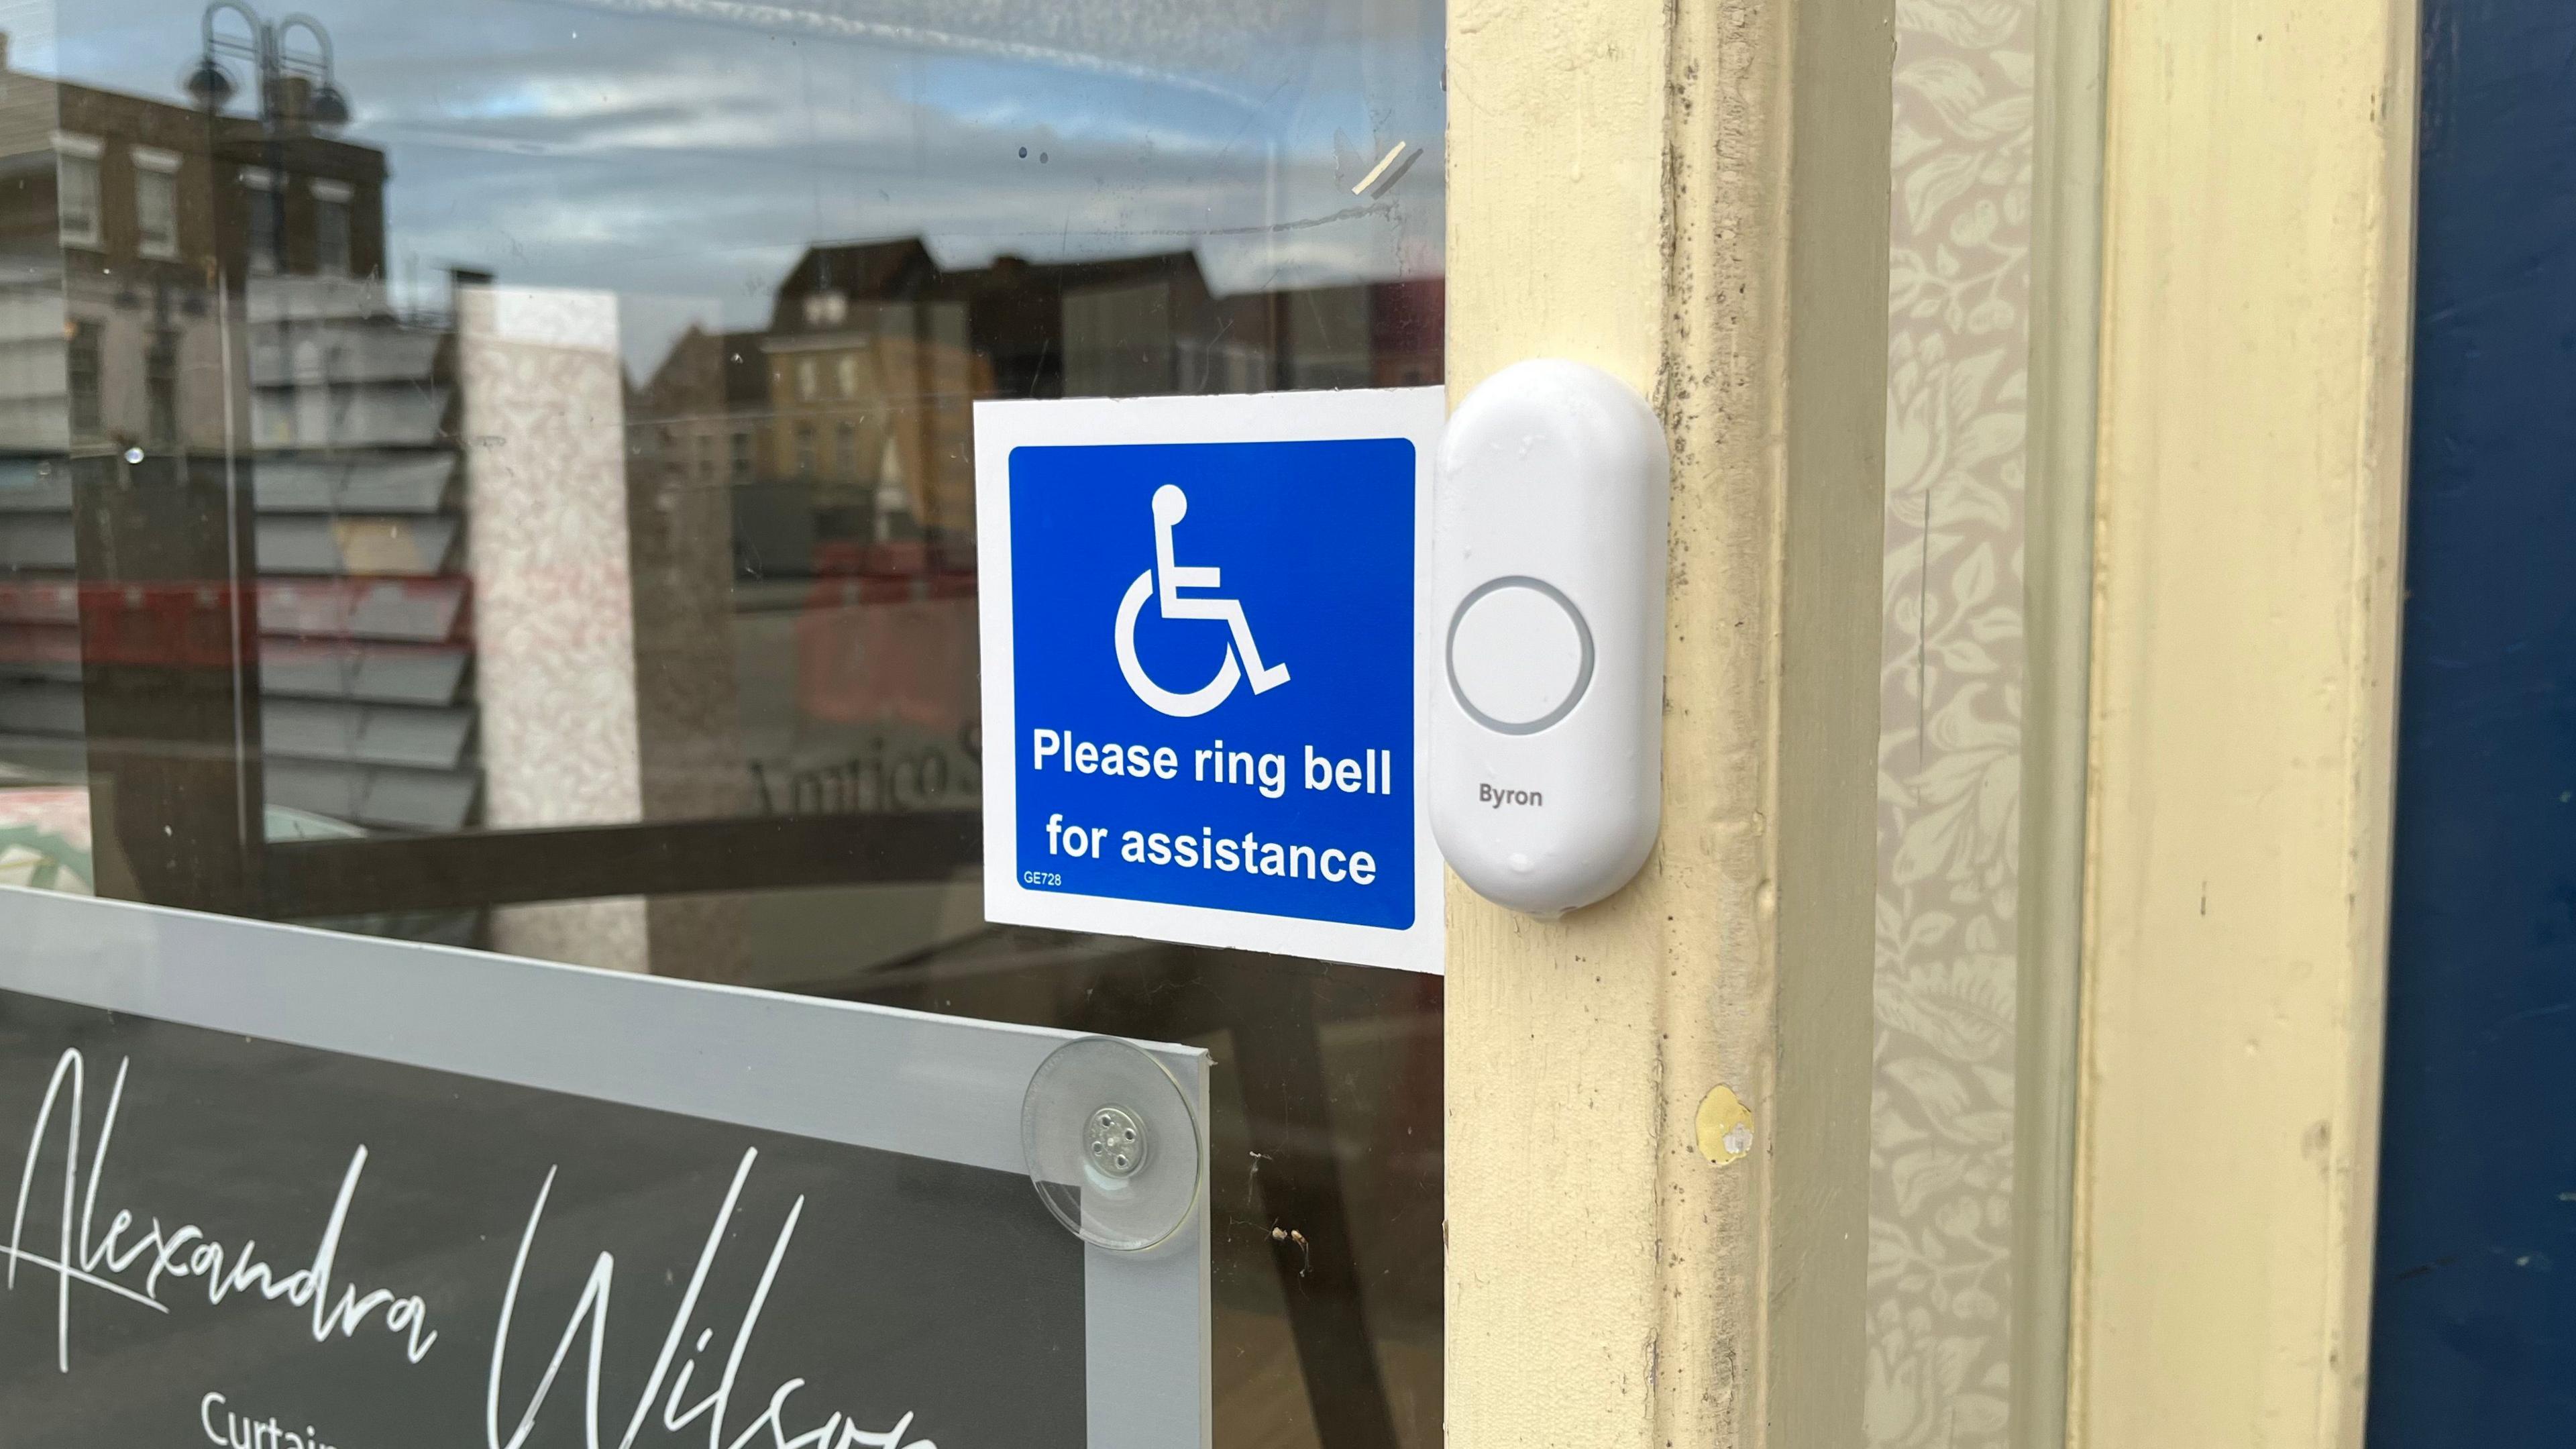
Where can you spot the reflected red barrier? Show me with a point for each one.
(882, 638)
(189, 624)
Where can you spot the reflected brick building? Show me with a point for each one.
(203, 378)
(132, 217)
(846, 421)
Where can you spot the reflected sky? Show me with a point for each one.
(684, 153)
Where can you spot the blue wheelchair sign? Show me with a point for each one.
(1202, 621)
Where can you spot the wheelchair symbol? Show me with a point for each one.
(1170, 505)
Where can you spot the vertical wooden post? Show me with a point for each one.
(1658, 1107)
(2257, 229)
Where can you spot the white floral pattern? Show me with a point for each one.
(1940, 1259)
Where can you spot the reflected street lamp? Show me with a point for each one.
(271, 59)
(265, 48)
(209, 86)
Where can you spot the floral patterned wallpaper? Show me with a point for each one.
(554, 598)
(1940, 1259)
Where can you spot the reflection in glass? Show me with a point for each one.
(502, 473)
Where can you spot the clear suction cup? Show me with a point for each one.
(1111, 1144)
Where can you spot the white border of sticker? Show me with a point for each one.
(1415, 414)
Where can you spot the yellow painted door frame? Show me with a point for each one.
(1658, 1108)
(2258, 225)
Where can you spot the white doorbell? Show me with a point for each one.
(1550, 517)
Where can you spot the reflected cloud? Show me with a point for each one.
(1156, 44)
(693, 149)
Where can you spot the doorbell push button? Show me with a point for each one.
(1550, 519)
(1526, 654)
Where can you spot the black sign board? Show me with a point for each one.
(227, 1239)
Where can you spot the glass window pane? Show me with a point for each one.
(331, 242)
(156, 211)
(509, 482)
(84, 384)
(77, 176)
